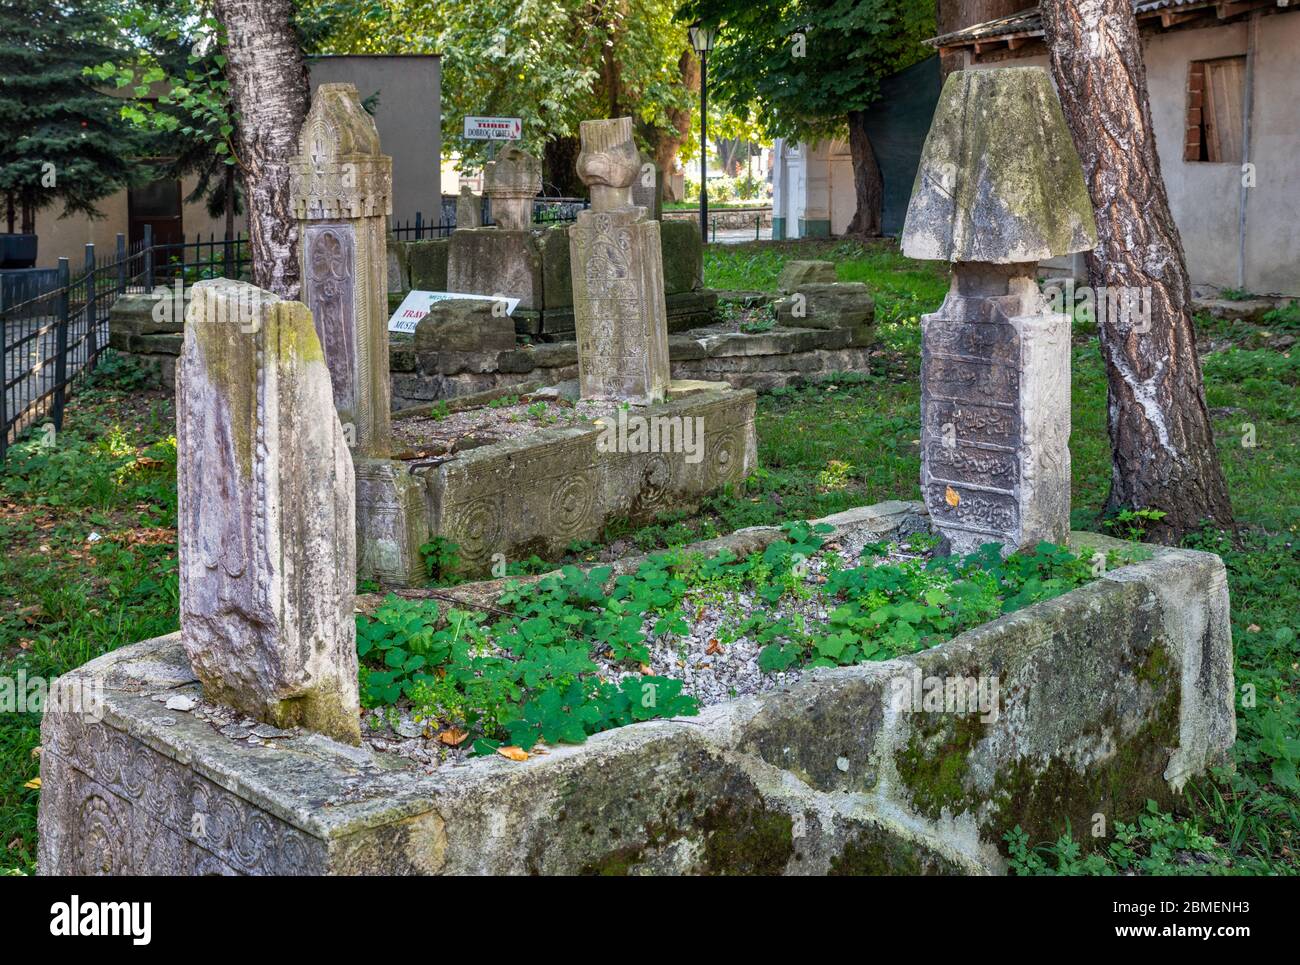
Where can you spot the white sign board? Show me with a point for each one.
(416, 305)
(494, 128)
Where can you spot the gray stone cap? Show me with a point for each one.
(999, 179)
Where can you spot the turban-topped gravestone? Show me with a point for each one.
(999, 189)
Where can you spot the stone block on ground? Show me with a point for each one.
(1109, 696)
(796, 274)
(846, 305)
(465, 325)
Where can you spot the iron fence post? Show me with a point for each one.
(92, 337)
(61, 343)
(148, 258)
(121, 264)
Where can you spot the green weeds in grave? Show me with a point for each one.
(532, 676)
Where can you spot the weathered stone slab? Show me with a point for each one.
(341, 189)
(511, 182)
(539, 493)
(496, 261)
(265, 514)
(428, 264)
(841, 305)
(469, 325)
(1113, 694)
(995, 404)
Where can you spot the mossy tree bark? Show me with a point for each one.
(268, 83)
(1162, 442)
(868, 186)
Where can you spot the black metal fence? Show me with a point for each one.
(52, 341)
(545, 211)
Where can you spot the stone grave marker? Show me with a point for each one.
(265, 518)
(341, 192)
(999, 189)
(617, 270)
(469, 208)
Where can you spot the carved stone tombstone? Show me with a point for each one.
(265, 517)
(468, 208)
(617, 269)
(999, 189)
(511, 182)
(341, 193)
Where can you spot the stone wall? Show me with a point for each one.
(759, 361)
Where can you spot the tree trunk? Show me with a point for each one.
(1162, 442)
(867, 183)
(268, 83)
(953, 15)
(230, 203)
(560, 165)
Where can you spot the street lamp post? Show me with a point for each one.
(702, 38)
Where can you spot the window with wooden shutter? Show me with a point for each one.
(1215, 99)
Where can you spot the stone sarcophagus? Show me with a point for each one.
(999, 189)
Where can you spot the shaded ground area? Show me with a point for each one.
(88, 530)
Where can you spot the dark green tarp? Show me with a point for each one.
(897, 125)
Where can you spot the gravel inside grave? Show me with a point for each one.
(713, 663)
(423, 434)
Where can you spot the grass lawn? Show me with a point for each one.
(89, 534)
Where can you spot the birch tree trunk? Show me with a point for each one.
(268, 83)
(1162, 442)
(868, 187)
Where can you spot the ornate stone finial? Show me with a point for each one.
(608, 162)
(512, 181)
(339, 172)
(999, 179)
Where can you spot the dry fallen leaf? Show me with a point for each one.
(1253, 628)
(34, 784)
(950, 496)
(453, 736)
(713, 647)
(514, 753)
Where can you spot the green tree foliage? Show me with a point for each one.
(800, 66)
(61, 140)
(551, 62)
